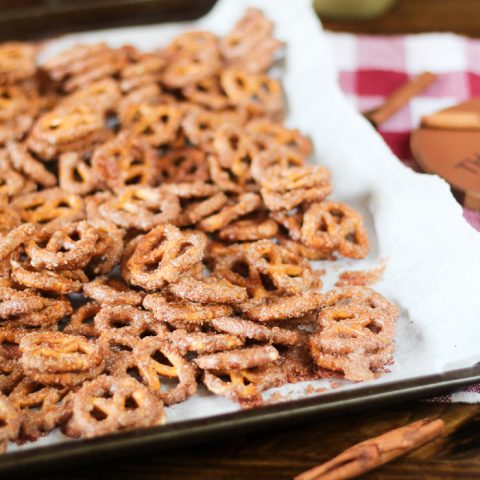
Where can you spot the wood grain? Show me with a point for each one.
(282, 454)
(410, 16)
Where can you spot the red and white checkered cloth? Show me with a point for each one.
(371, 67)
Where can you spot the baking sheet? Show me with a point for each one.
(414, 223)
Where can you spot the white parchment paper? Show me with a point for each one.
(432, 254)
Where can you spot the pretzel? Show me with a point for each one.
(246, 203)
(17, 302)
(69, 247)
(11, 182)
(286, 189)
(108, 248)
(60, 282)
(330, 226)
(75, 174)
(163, 255)
(17, 61)
(103, 94)
(355, 335)
(52, 208)
(9, 342)
(200, 342)
(172, 310)
(249, 230)
(357, 366)
(238, 359)
(125, 318)
(287, 272)
(11, 374)
(146, 70)
(254, 331)
(85, 64)
(208, 93)
(166, 361)
(224, 178)
(241, 386)
(197, 201)
(235, 265)
(282, 157)
(208, 290)
(364, 295)
(64, 126)
(156, 124)
(10, 420)
(24, 162)
(150, 93)
(183, 165)
(42, 408)
(140, 207)
(192, 57)
(250, 45)
(260, 94)
(271, 308)
(110, 291)
(82, 321)
(17, 113)
(267, 131)
(232, 147)
(9, 218)
(200, 125)
(109, 404)
(92, 203)
(56, 352)
(15, 238)
(125, 160)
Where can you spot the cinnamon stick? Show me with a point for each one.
(377, 451)
(400, 98)
(452, 120)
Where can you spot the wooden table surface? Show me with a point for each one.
(283, 453)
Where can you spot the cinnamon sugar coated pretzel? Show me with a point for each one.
(156, 222)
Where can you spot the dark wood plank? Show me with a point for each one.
(409, 16)
(284, 453)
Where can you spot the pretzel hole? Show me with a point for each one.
(3, 422)
(130, 403)
(134, 372)
(35, 406)
(98, 414)
(241, 268)
(136, 161)
(76, 175)
(32, 207)
(119, 322)
(148, 333)
(159, 357)
(183, 248)
(225, 378)
(337, 214)
(267, 283)
(374, 328)
(147, 130)
(134, 180)
(120, 347)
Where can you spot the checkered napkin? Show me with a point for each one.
(371, 67)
